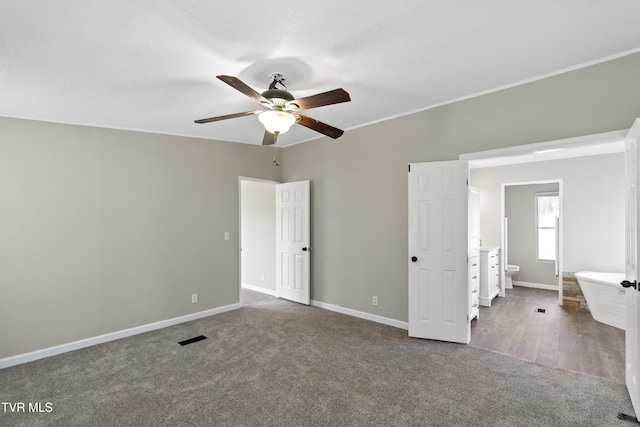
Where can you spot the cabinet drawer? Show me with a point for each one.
(474, 267)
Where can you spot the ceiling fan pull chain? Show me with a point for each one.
(275, 150)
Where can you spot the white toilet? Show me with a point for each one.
(511, 270)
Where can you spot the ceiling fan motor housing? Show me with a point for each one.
(275, 94)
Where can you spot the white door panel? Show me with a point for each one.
(438, 249)
(632, 334)
(292, 241)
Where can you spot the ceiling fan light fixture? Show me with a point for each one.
(276, 121)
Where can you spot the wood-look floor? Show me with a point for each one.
(562, 337)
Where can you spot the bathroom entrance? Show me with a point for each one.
(588, 174)
(531, 323)
(531, 235)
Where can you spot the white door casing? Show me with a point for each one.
(293, 241)
(505, 249)
(438, 251)
(556, 264)
(474, 219)
(632, 334)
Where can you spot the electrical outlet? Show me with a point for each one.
(262, 277)
(194, 298)
(375, 300)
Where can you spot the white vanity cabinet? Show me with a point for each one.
(489, 275)
(474, 286)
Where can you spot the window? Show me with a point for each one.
(547, 210)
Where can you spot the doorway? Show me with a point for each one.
(257, 237)
(557, 336)
(523, 238)
(274, 243)
(590, 169)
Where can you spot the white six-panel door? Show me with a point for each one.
(438, 250)
(632, 334)
(292, 241)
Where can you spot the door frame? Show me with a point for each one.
(240, 180)
(547, 150)
(503, 236)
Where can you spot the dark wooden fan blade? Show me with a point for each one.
(269, 138)
(228, 116)
(335, 96)
(239, 85)
(319, 126)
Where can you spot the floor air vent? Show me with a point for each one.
(541, 310)
(192, 340)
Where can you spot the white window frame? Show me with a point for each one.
(538, 227)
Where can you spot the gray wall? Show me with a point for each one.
(520, 209)
(258, 221)
(593, 207)
(359, 182)
(103, 230)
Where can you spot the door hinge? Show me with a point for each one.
(409, 168)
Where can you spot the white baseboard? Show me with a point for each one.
(259, 289)
(76, 345)
(361, 314)
(535, 285)
(63, 348)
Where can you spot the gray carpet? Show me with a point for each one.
(279, 363)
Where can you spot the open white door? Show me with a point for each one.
(438, 249)
(632, 337)
(292, 241)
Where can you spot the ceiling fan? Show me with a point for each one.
(280, 110)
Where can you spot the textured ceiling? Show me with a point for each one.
(150, 65)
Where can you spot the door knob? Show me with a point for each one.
(628, 284)
(304, 249)
(414, 258)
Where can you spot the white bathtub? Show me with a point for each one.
(605, 296)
